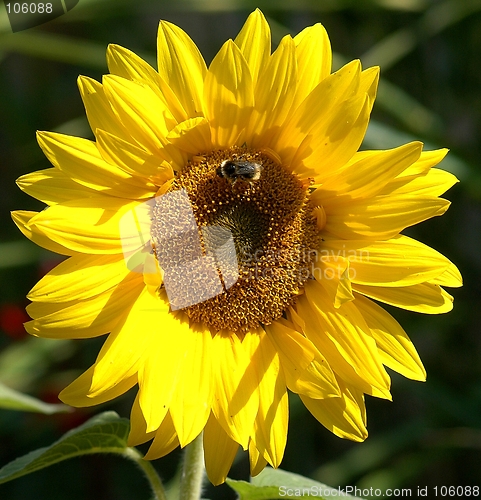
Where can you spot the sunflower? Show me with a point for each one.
(226, 232)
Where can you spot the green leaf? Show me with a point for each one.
(56, 48)
(14, 400)
(62, 48)
(18, 253)
(275, 483)
(22, 364)
(104, 433)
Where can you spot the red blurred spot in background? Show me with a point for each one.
(12, 318)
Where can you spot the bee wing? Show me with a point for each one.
(246, 167)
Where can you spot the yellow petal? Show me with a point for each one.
(425, 298)
(320, 215)
(181, 65)
(381, 217)
(369, 82)
(306, 371)
(87, 318)
(427, 160)
(192, 136)
(400, 261)
(317, 106)
(22, 219)
(219, 452)
(165, 440)
(451, 277)
(138, 426)
(344, 339)
(345, 417)
(147, 116)
(256, 460)
(236, 400)
(274, 93)
(137, 162)
(333, 141)
(167, 341)
(314, 60)
(254, 41)
(80, 277)
(84, 227)
(228, 96)
(99, 111)
(365, 177)
(395, 349)
(140, 109)
(80, 160)
(435, 183)
(125, 63)
(272, 419)
(52, 186)
(333, 273)
(131, 342)
(77, 393)
(192, 399)
(153, 274)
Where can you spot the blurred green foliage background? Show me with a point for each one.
(430, 54)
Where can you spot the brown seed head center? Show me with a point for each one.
(257, 240)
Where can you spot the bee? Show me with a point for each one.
(233, 170)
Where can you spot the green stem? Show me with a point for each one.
(148, 470)
(192, 470)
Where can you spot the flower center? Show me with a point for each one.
(248, 239)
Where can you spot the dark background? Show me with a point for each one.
(429, 52)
